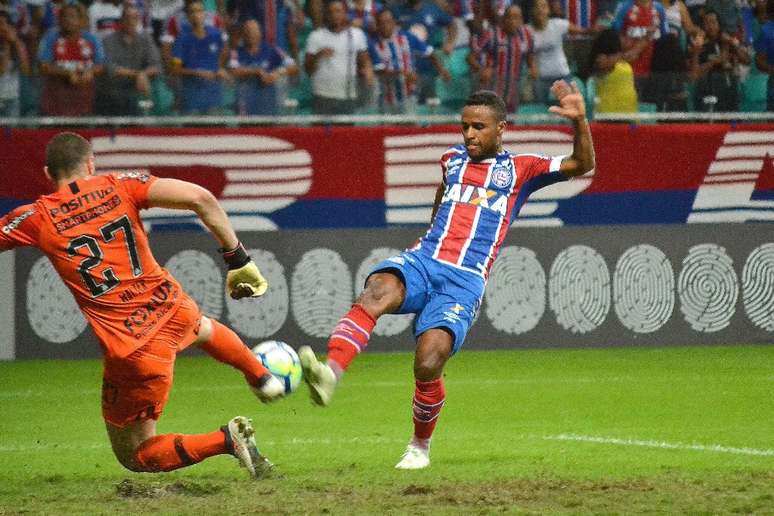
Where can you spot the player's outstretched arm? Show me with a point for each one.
(243, 278)
(573, 108)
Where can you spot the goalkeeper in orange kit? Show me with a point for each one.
(91, 231)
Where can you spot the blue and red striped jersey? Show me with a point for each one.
(480, 201)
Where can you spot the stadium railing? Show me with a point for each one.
(369, 120)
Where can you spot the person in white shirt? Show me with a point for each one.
(336, 55)
(549, 50)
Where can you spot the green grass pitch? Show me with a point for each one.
(659, 430)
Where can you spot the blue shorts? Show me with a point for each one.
(440, 295)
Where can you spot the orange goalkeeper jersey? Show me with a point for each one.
(91, 231)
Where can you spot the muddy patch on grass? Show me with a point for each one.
(132, 489)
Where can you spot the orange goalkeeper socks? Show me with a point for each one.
(167, 452)
(225, 346)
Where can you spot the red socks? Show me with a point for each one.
(429, 398)
(168, 452)
(350, 336)
(226, 346)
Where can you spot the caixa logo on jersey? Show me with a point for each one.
(253, 176)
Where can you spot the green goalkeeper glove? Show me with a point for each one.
(243, 278)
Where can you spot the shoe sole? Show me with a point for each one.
(307, 358)
(245, 449)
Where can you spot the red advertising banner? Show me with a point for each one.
(269, 178)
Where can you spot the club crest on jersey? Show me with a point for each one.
(502, 175)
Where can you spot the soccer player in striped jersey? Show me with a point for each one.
(442, 278)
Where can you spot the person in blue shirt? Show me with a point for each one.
(764, 52)
(258, 65)
(427, 21)
(199, 56)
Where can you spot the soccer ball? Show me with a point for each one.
(282, 361)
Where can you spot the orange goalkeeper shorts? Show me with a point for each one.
(136, 387)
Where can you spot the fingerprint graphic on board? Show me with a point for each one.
(320, 291)
(387, 325)
(262, 317)
(516, 294)
(643, 289)
(579, 287)
(51, 309)
(201, 278)
(758, 286)
(708, 288)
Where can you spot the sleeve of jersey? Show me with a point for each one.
(19, 228)
(136, 185)
(539, 171)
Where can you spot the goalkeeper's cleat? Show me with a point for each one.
(246, 281)
(240, 442)
(269, 388)
(318, 376)
(414, 457)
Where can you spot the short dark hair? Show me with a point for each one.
(64, 153)
(489, 99)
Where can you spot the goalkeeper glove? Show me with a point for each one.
(243, 278)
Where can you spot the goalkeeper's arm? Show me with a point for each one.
(243, 279)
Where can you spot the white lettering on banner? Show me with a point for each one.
(708, 288)
(320, 291)
(579, 289)
(643, 289)
(516, 310)
(758, 286)
(726, 194)
(52, 311)
(262, 173)
(411, 167)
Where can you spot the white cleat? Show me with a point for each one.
(414, 458)
(318, 376)
(240, 438)
(271, 389)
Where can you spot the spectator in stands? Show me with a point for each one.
(160, 12)
(754, 17)
(275, 18)
(13, 62)
(104, 17)
(612, 74)
(392, 51)
(764, 57)
(640, 23)
(550, 61)
(70, 59)
(714, 56)
(257, 66)
(497, 56)
(199, 57)
(363, 13)
(679, 20)
(728, 14)
(178, 24)
(131, 62)
(431, 24)
(335, 56)
(669, 76)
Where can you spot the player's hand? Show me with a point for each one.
(247, 281)
(243, 278)
(571, 101)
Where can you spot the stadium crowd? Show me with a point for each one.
(135, 57)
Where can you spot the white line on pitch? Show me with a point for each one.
(661, 444)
